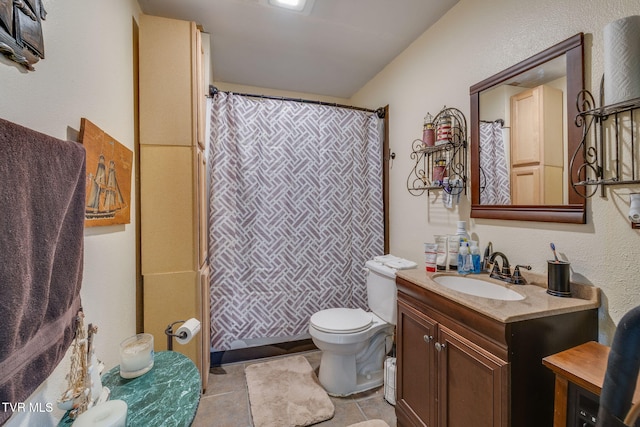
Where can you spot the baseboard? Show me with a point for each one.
(219, 358)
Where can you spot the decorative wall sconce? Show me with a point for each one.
(21, 38)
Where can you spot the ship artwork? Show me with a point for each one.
(104, 196)
(109, 166)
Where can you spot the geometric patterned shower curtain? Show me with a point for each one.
(295, 212)
(493, 165)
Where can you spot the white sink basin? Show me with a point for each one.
(479, 288)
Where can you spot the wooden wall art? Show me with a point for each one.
(21, 37)
(109, 166)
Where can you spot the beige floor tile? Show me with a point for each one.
(226, 402)
(224, 410)
(314, 359)
(347, 412)
(225, 379)
(377, 408)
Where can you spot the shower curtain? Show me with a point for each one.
(295, 211)
(493, 165)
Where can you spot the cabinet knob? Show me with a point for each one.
(439, 346)
(427, 338)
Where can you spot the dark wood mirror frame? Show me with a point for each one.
(575, 210)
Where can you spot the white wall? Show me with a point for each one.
(87, 72)
(475, 40)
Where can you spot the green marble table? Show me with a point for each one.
(167, 395)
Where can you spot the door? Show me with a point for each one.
(416, 374)
(473, 384)
(525, 131)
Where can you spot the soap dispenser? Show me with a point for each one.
(464, 259)
(476, 266)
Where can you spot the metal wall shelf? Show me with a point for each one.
(609, 148)
(450, 154)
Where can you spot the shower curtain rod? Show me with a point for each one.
(379, 112)
(501, 121)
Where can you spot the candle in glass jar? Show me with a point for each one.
(136, 353)
(428, 131)
(439, 170)
(444, 129)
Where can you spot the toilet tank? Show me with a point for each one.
(381, 291)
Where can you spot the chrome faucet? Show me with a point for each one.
(485, 259)
(504, 274)
(496, 273)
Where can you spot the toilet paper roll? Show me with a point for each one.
(622, 60)
(187, 331)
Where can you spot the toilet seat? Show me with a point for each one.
(341, 320)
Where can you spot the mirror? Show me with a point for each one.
(531, 181)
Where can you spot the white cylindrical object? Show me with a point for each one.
(622, 60)
(390, 380)
(634, 208)
(187, 331)
(136, 355)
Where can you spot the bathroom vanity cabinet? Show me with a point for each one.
(458, 367)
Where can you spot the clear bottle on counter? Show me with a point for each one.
(475, 257)
(464, 259)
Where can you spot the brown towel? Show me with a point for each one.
(42, 196)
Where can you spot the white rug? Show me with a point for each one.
(286, 393)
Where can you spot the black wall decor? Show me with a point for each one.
(21, 37)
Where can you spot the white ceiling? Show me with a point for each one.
(334, 50)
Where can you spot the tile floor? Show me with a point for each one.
(226, 402)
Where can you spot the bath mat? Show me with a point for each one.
(286, 393)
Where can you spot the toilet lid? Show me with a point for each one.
(341, 320)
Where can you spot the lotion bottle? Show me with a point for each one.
(462, 231)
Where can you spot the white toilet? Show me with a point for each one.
(354, 342)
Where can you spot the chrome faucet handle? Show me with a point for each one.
(517, 278)
(495, 272)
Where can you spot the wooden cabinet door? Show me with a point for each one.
(473, 384)
(525, 186)
(525, 130)
(416, 375)
(166, 81)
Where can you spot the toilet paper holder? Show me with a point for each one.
(184, 333)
